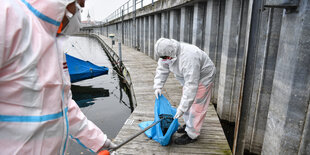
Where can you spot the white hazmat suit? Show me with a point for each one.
(74, 23)
(37, 113)
(193, 68)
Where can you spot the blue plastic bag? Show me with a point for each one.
(162, 107)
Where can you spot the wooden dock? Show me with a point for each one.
(142, 70)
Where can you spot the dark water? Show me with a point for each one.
(102, 98)
(228, 128)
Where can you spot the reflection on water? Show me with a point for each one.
(84, 95)
(102, 99)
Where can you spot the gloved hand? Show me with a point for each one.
(109, 144)
(157, 92)
(178, 114)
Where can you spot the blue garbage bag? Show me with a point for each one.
(162, 131)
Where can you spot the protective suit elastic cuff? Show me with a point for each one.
(107, 143)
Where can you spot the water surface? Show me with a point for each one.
(102, 98)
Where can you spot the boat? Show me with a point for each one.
(80, 70)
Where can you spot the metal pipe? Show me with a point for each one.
(120, 52)
(122, 26)
(134, 136)
(134, 23)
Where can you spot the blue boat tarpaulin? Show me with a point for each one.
(81, 70)
(158, 133)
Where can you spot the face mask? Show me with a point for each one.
(73, 25)
(169, 61)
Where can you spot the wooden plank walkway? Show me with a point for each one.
(142, 70)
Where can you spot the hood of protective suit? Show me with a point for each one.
(51, 12)
(167, 47)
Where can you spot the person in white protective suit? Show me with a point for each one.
(72, 18)
(37, 113)
(195, 71)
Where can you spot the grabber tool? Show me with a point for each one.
(107, 152)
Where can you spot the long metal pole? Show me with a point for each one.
(134, 23)
(120, 53)
(122, 26)
(134, 136)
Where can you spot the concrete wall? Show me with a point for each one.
(151, 37)
(146, 35)
(231, 61)
(186, 24)
(260, 67)
(287, 129)
(261, 56)
(165, 24)
(157, 31)
(174, 26)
